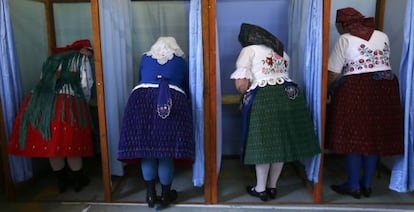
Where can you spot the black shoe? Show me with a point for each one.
(151, 197)
(63, 181)
(342, 190)
(366, 191)
(80, 180)
(168, 195)
(262, 195)
(271, 192)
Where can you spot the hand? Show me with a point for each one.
(86, 51)
(58, 74)
(242, 85)
(332, 76)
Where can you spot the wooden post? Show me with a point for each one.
(317, 193)
(210, 102)
(379, 14)
(100, 100)
(50, 25)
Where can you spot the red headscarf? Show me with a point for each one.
(77, 45)
(355, 22)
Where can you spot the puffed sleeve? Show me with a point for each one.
(244, 64)
(338, 55)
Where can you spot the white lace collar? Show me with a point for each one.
(164, 49)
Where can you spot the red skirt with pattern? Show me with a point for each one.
(67, 137)
(365, 117)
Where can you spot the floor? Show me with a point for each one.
(129, 192)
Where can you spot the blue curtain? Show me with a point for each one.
(196, 88)
(305, 46)
(10, 90)
(116, 41)
(402, 176)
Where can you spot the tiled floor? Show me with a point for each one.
(129, 192)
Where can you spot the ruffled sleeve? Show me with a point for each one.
(244, 64)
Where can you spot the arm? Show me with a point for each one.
(337, 60)
(332, 76)
(242, 74)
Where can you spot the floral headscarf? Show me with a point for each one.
(357, 24)
(254, 35)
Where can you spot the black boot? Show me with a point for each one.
(167, 196)
(151, 193)
(80, 180)
(63, 182)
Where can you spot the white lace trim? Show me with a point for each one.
(164, 50)
(269, 81)
(241, 73)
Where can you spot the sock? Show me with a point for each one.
(262, 171)
(274, 173)
(57, 163)
(166, 171)
(75, 163)
(149, 169)
(353, 166)
(370, 165)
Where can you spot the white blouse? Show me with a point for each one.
(262, 66)
(353, 55)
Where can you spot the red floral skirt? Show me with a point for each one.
(67, 137)
(365, 117)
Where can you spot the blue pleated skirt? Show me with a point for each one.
(144, 134)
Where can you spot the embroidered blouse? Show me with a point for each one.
(353, 55)
(262, 66)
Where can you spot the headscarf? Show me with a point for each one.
(357, 24)
(164, 49)
(254, 35)
(77, 45)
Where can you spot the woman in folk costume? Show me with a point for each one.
(157, 127)
(365, 119)
(277, 126)
(54, 120)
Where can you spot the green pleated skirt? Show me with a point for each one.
(279, 129)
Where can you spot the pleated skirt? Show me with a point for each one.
(365, 117)
(144, 134)
(279, 129)
(67, 137)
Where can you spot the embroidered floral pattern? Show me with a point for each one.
(274, 63)
(370, 58)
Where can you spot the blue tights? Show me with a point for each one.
(164, 168)
(354, 163)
